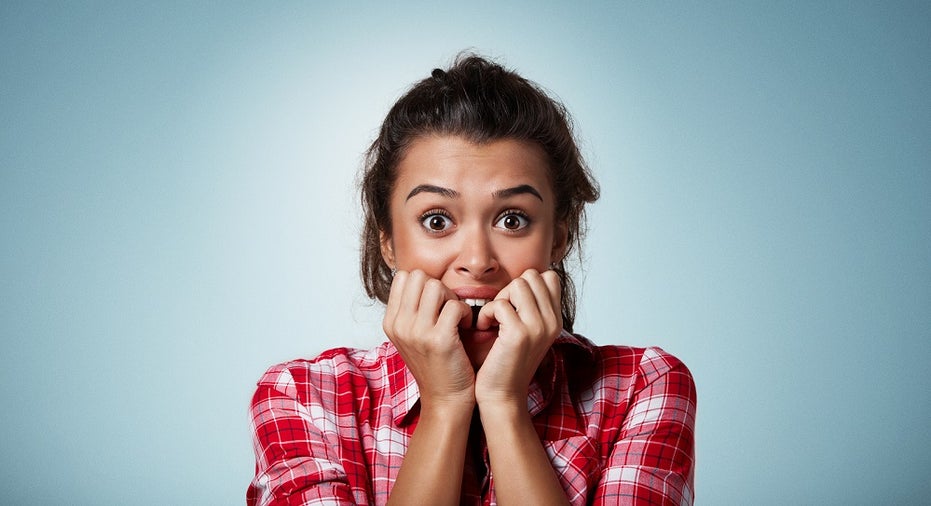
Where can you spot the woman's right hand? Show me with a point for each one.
(422, 321)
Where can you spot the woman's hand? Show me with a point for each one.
(422, 320)
(529, 316)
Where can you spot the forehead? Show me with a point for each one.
(462, 165)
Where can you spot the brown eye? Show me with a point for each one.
(513, 221)
(436, 222)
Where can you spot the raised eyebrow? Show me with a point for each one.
(518, 190)
(429, 188)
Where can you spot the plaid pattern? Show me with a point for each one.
(616, 422)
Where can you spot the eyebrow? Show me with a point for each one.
(499, 194)
(429, 188)
(517, 190)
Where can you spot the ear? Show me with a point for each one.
(387, 249)
(560, 242)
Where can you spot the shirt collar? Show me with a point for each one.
(552, 372)
(405, 395)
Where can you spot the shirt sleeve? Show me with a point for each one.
(652, 462)
(296, 447)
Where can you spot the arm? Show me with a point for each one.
(652, 462)
(422, 320)
(297, 458)
(432, 468)
(529, 317)
(522, 470)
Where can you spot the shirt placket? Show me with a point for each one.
(487, 484)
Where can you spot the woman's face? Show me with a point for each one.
(474, 217)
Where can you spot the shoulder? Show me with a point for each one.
(648, 363)
(625, 368)
(329, 372)
(651, 360)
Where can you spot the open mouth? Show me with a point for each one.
(476, 305)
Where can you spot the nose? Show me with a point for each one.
(477, 256)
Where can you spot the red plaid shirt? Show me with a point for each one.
(616, 422)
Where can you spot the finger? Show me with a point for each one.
(394, 302)
(538, 288)
(432, 298)
(395, 291)
(498, 311)
(554, 286)
(546, 291)
(523, 298)
(410, 297)
(454, 314)
(465, 318)
(504, 308)
(410, 288)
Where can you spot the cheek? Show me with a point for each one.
(412, 253)
(432, 260)
(531, 253)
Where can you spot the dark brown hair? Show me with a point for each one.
(480, 101)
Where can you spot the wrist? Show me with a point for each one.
(501, 398)
(448, 408)
(503, 411)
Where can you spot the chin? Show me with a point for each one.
(477, 347)
(477, 359)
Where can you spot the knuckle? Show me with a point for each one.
(551, 277)
(434, 285)
(537, 328)
(520, 283)
(553, 323)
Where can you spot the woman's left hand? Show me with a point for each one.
(529, 315)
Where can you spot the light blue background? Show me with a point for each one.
(178, 212)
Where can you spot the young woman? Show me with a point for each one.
(474, 195)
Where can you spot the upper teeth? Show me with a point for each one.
(476, 302)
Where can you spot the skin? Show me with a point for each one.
(469, 219)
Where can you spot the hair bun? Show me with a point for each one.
(438, 74)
